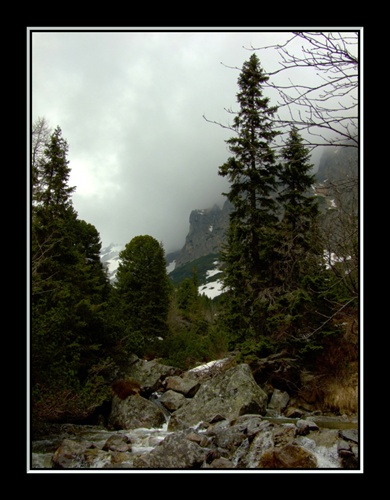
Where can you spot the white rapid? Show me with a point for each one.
(327, 456)
(143, 440)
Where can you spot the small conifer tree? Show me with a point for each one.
(143, 289)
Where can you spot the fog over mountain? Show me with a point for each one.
(132, 106)
(207, 226)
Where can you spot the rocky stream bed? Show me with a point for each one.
(200, 420)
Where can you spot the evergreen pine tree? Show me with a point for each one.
(143, 290)
(54, 172)
(68, 292)
(298, 257)
(187, 296)
(52, 252)
(252, 172)
(53, 215)
(300, 209)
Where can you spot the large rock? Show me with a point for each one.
(134, 412)
(289, 456)
(279, 401)
(172, 400)
(185, 386)
(230, 394)
(149, 374)
(181, 450)
(71, 454)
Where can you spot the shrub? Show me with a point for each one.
(126, 387)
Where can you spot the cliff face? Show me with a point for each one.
(338, 164)
(206, 234)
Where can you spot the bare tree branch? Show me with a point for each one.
(328, 108)
(228, 127)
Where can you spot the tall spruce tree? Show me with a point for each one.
(252, 172)
(53, 220)
(53, 214)
(53, 170)
(68, 290)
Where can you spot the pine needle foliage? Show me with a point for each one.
(69, 289)
(252, 172)
(143, 290)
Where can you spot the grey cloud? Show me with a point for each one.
(130, 106)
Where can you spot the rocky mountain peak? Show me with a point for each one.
(206, 233)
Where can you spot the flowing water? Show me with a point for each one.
(142, 440)
(322, 444)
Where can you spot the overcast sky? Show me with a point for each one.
(131, 105)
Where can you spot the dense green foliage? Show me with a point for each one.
(69, 289)
(200, 266)
(281, 293)
(194, 332)
(143, 291)
(299, 253)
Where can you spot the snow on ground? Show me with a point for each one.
(212, 272)
(331, 259)
(171, 266)
(213, 288)
(110, 258)
(211, 364)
